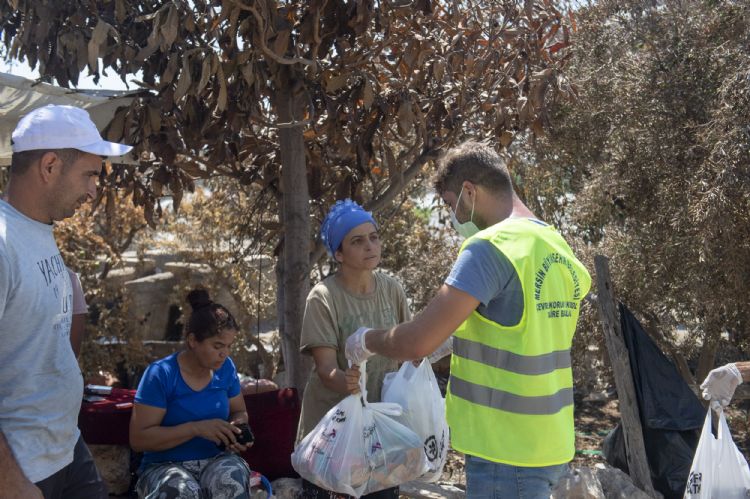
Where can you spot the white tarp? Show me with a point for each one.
(19, 95)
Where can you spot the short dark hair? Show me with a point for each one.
(476, 162)
(21, 161)
(208, 318)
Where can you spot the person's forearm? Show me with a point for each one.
(334, 380)
(744, 368)
(11, 473)
(403, 342)
(156, 438)
(238, 417)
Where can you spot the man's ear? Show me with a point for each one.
(336, 256)
(469, 188)
(49, 163)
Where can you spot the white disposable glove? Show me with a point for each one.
(719, 385)
(445, 348)
(355, 350)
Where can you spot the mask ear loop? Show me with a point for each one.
(458, 202)
(473, 202)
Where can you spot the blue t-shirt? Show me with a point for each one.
(485, 273)
(162, 386)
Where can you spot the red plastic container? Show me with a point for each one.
(273, 417)
(106, 422)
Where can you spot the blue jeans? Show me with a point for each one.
(488, 480)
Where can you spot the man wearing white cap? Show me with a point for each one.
(56, 163)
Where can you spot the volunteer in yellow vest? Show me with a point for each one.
(510, 306)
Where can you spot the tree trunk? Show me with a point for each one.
(279, 270)
(635, 448)
(295, 217)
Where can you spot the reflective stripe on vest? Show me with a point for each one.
(510, 402)
(509, 361)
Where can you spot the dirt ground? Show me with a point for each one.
(594, 420)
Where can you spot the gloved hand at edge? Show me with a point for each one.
(720, 384)
(355, 350)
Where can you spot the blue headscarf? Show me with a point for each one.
(342, 217)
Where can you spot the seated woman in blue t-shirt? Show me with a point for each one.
(188, 404)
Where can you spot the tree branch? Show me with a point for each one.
(393, 190)
(270, 53)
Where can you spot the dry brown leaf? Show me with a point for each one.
(511, 35)
(405, 117)
(194, 170)
(116, 126)
(207, 70)
(157, 188)
(573, 23)
(169, 72)
(80, 51)
(506, 138)
(153, 40)
(169, 30)
(247, 73)
(184, 80)
(98, 37)
(221, 100)
(154, 118)
(438, 70)
(189, 22)
(332, 83)
(550, 34)
(367, 95)
(175, 187)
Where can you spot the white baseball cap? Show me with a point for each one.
(62, 127)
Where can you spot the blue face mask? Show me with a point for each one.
(466, 229)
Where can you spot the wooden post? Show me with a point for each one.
(618, 356)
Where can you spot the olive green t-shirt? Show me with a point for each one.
(332, 314)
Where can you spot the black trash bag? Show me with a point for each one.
(669, 453)
(665, 401)
(671, 414)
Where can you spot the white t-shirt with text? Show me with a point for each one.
(40, 382)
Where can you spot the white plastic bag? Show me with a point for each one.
(416, 390)
(719, 471)
(357, 448)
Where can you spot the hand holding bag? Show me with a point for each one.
(719, 470)
(357, 448)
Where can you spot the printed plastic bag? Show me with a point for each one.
(357, 448)
(719, 470)
(416, 390)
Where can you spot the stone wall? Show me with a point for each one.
(154, 288)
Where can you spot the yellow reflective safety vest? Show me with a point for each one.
(510, 395)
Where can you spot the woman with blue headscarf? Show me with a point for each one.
(356, 294)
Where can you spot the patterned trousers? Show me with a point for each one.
(225, 476)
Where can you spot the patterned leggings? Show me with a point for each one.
(225, 476)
